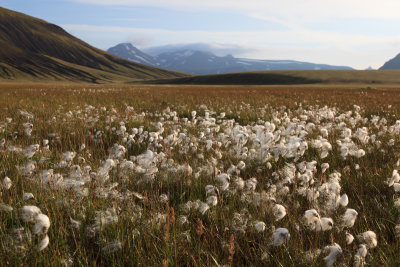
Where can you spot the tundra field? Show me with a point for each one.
(157, 175)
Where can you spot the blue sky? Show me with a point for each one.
(342, 32)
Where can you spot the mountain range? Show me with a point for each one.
(205, 62)
(33, 49)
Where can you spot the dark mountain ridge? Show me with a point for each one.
(392, 64)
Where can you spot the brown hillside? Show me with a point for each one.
(32, 49)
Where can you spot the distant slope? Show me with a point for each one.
(294, 77)
(204, 62)
(393, 64)
(32, 49)
(245, 78)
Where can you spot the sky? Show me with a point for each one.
(356, 33)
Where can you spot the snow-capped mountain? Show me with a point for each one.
(129, 52)
(201, 62)
(205, 62)
(197, 62)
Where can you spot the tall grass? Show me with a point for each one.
(148, 228)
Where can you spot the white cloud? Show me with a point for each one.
(218, 49)
(295, 37)
(140, 40)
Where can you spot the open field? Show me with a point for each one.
(153, 175)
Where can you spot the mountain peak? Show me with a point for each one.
(128, 51)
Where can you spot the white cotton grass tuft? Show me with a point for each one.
(251, 184)
(397, 203)
(334, 252)
(394, 179)
(280, 236)
(29, 213)
(314, 222)
(28, 127)
(239, 183)
(359, 258)
(324, 167)
(31, 150)
(396, 187)
(311, 218)
(182, 220)
(212, 201)
(42, 224)
(211, 190)
(7, 183)
(28, 196)
(203, 207)
(241, 165)
(360, 153)
(68, 156)
(279, 212)
(325, 224)
(164, 198)
(223, 181)
(368, 238)
(260, 226)
(349, 218)
(27, 169)
(32, 214)
(343, 200)
(349, 238)
(44, 243)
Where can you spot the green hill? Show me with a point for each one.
(32, 49)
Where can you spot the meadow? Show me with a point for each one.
(189, 175)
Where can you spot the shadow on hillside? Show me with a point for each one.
(240, 79)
